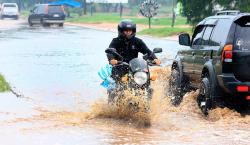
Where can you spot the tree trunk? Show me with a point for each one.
(116, 8)
(19, 5)
(149, 22)
(173, 19)
(121, 9)
(91, 8)
(173, 13)
(108, 7)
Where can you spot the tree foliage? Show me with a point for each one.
(196, 10)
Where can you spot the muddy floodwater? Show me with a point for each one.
(54, 70)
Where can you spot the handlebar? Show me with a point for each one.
(152, 63)
(149, 62)
(121, 63)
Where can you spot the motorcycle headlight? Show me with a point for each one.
(140, 78)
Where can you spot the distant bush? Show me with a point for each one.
(4, 86)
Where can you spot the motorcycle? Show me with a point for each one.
(133, 77)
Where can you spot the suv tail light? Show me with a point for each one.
(227, 53)
(47, 9)
(242, 88)
(62, 8)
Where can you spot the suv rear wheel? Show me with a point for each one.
(30, 23)
(60, 25)
(175, 87)
(44, 24)
(205, 96)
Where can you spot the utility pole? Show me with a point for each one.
(85, 7)
(239, 5)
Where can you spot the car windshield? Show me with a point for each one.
(242, 35)
(55, 9)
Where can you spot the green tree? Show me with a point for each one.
(196, 10)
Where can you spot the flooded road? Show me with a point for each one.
(62, 102)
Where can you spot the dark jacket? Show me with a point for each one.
(129, 49)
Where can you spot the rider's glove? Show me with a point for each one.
(113, 62)
(157, 61)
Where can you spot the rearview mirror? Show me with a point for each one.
(184, 39)
(157, 50)
(110, 50)
(31, 11)
(114, 52)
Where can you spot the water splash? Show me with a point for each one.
(123, 111)
(140, 117)
(162, 114)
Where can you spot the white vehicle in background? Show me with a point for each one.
(9, 10)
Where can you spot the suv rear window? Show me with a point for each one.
(220, 32)
(242, 34)
(9, 5)
(55, 9)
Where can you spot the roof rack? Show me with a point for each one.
(228, 12)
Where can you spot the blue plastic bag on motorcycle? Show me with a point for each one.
(105, 75)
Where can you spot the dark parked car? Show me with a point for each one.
(217, 62)
(46, 15)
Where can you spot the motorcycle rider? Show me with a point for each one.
(128, 46)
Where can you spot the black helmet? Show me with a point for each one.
(126, 25)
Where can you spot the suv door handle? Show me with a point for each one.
(193, 53)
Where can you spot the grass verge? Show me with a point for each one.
(163, 23)
(4, 86)
(115, 18)
(164, 32)
(25, 13)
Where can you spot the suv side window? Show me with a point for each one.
(40, 10)
(220, 33)
(206, 35)
(197, 36)
(35, 10)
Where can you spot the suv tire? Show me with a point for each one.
(175, 87)
(60, 25)
(44, 24)
(204, 98)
